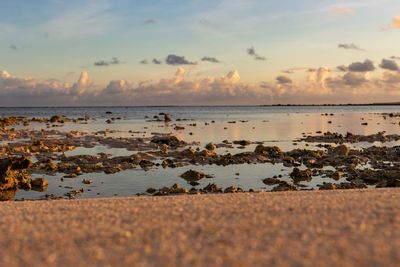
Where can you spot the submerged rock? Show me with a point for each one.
(301, 175)
(271, 181)
(242, 142)
(170, 140)
(272, 152)
(193, 176)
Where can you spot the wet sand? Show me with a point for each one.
(318, 228)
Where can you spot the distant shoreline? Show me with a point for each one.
(199, 106)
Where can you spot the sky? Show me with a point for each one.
(198, 52)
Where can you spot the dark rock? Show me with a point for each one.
(271, 181)
(242, 142)
(301, 175)
(169, 140)
(212, 188)
(151, 190)
(167, 117)
(272, 152)
(192, 175)
(233, 189)
(284, 186)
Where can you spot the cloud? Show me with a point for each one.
(82, 84)
(252, 52)
(156, 61)
(293, 70)
(103, 63)
(210, 59)
(16, 91)
(394, 25)
(117, 87)
(13, 47)
(150, 21)
(395, 58)
(342, 68)
(320, 86)
(388, 64)
(178, 60)
(365, 66)
(354, 79)
(144, 62)
(341, 10)
(283, 80)
(88, 18)
(351, 46)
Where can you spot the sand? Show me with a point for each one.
(332, 228)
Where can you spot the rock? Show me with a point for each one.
(14, 173)
(56, 119)
(146, 164)
(40, 183)
(327, 186)
(242, 142)
(151, 190)
(211, 147)
(170, 140)
(87, 181)
(189, 152)
(341, 151)
(273, 152)
(193, 176)
(7, 195)
(167, 117)
(179, 128)
(233, 189)
(301, 175)
(168, 163)
(193, 183)
(212, 188)
(284, 186)
(337, 175)
(271, 181)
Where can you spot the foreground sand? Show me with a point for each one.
(332, 228)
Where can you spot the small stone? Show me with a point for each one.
(40, 182)
(151, 190)
(87, 181)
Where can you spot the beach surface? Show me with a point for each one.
(318, 228)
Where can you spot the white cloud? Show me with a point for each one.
(88, 19)
(320, 86)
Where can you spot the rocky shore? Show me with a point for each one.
(27, 151)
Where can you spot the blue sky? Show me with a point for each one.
(55, 39)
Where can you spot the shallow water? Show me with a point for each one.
(277, 126)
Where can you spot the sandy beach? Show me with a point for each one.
(317, 228)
